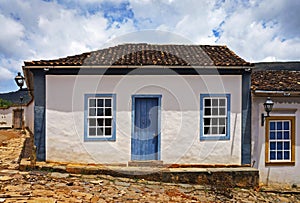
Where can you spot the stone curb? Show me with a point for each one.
(243, 177)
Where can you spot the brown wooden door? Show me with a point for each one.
(18, 118)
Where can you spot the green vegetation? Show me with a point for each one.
(5, 103)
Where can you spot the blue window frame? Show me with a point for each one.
(99, 117)
(214, 116)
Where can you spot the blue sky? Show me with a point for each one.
(257, 30)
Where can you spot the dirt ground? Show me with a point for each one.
(6, 135)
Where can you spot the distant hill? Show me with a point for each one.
(14, 97)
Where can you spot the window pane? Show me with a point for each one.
(272, 145)
(92, 112)
(272, 135)
(221, 121)
(92, 131)
(221, 130)
(214, 130)
(272, 155)
(215, 111)
(107, 102)
(107, 111)
(279, 155)
(207, 102)
(207, 112)
(286, 155)
(100, 102)
(286, 125)
(108, 131)
(92, 122)
(107, 122)
(272, 125)
(206, 130)
(214, 102)
(279, 146)
(207, 121)
(279, 125)
(215, 121)
(99, 111)
(100, 121)
(279, 135)
(100, 131)
(286, 135)
(92, 102)
(222, 111)
(222, 102)
(286, 145)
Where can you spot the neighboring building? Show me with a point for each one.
(18, 113)
(184, 104)
(276, 145)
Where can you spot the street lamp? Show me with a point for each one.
(268, 106)
(20, 80)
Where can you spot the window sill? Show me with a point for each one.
(98, 139)
(214, 138)
(289, 163)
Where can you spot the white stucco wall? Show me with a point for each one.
(6, 117)
(283, 106)
(180, 118)
(29, 116)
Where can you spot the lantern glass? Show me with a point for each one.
(268, 105)
(19, 80)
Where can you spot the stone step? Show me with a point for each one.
(150, 163)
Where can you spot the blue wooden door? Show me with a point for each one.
(144, 141)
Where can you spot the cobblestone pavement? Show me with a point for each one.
(11, 143)
(47, 186)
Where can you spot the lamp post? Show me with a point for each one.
(21, 102)
(268, 106)
(19, 79)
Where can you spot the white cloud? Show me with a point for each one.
(257, 32)
(5, 74)
(11, 36)
(255, 29)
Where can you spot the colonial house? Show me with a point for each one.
(16, 110)
(184, 104)
(275, 139)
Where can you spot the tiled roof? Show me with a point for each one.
(150, 54)
(276, 80)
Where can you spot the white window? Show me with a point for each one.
(100, 113)
(280, 140)
(215, 111)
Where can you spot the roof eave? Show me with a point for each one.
(138, 66)
(276, 93)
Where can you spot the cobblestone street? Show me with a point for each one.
(48, 186)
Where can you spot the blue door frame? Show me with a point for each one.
(145, 136)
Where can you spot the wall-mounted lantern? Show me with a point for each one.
(268, 106)
(20, 80)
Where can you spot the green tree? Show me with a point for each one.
(5, 103)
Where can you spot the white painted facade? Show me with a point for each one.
(29, 116)
(180, 118)
(6, 116)
(283, 106)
